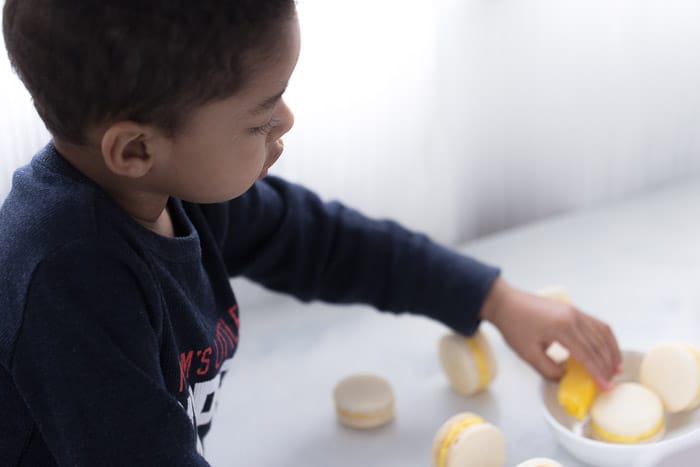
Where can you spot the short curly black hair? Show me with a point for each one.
(88, 62)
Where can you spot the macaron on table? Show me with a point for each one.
(468, 362)
(364, 401)
(634, 264)
(467, 440)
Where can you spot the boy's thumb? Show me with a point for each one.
(547, 367)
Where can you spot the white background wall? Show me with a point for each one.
(21, 131)
(462, 117)
(466, 116)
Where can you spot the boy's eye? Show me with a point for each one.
(266, 128)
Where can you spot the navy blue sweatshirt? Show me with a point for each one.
(114, 340)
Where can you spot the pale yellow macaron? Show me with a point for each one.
(467, 440)
(629, 413)
(539, 462)
(364, 401)
(555, 292)
(467, 361)
(672, 370)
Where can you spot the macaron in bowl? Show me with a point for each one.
(672, 370)
(578, 438)
(629, 413)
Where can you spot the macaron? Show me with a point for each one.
(557, 352)
(363, 401)
(559, 294)
(467, 440)
(577, 389)
(672, 370)
(539, 462)
(629, 413)
(467, 361)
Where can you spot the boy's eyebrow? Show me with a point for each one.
(268, 103)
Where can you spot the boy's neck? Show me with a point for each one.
(147, 207)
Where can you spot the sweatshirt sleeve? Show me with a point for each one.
(284, 237)
(86, 362)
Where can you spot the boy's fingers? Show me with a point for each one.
(589, 358)
(603, 382)
(598, 346)
(610, 349)
(593, 365)
(608, 344)
(596, 342)
(546, 366)
(613, 347)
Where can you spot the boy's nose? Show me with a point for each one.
(286, 121)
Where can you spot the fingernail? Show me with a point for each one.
(605, 385)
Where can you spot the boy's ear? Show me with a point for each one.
(127, 149)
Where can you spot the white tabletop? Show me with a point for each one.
(635, 264)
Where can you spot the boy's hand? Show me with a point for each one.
(530, 323)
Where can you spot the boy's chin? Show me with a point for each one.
(215, 198)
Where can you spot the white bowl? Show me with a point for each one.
(682, 430)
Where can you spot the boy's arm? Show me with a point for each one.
(87, 365)
(285, 237)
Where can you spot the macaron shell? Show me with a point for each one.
(365, 421)
(364, 401)
(560, 294)
(558, 353)
(480, 445)
(628, 410)
(672, 370)
(696, 353)
(460, 365)
(539, 462)
(444, 430)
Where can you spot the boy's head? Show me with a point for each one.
(127, 76)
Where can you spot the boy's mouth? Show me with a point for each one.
(279, 148)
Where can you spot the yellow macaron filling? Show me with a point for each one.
(628, 439)
(482, 364)
(453, 433)
(576, 390)
(363, 415)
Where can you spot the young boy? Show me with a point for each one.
(118, 240)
